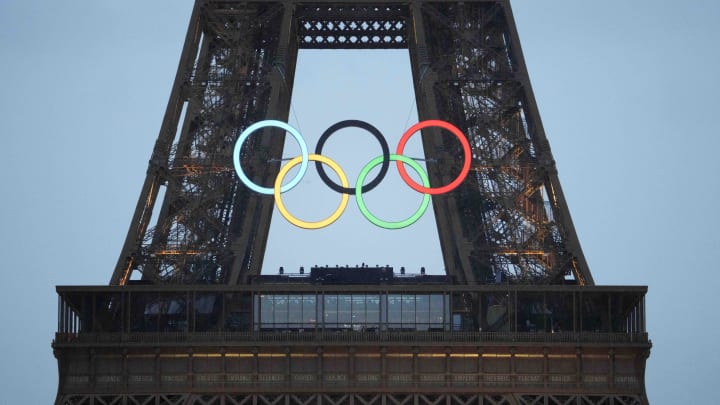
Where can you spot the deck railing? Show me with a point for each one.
(346, 337)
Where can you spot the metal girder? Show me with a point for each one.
(506, 236)
(226, 84)
(382, 26)
(512, 217)
(507, 221)
(213, 398)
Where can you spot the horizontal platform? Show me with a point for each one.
(302, 287)
(301, 314)
(315, 367)
(343, 338)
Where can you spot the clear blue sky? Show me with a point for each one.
(628, 93)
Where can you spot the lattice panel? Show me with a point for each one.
(203, 204)
(509, 207)
(352, 26)
(350, 399)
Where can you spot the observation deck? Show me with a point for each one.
(318, 332)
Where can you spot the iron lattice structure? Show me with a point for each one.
(521, 323)
(237, 68)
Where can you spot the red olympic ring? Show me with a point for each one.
(466, 148)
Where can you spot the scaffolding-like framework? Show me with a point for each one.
(237, 68)
(505, 229)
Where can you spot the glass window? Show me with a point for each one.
(358, 312)
(408, 311)
(594, 312)
(266, 311)
(495, 312)
(330, 306)
(372, 311)
(532, 312)
(344, 311)
(308, 311)
(437, 311)
(281, 311)
(394, 310)
(295, 311)
(422, 312)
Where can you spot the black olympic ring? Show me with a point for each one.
(384, 159)
(385, 154)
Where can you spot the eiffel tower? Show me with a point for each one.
(189, 318)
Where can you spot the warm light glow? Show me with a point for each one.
(561, 356)
(177, 252)
(207, 354)
(198, 169)
(522, 252)
(126, 273)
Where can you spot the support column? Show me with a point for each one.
(351, 365)
(448, 374)
(256, 224)
(578, 368)
(611, 368)
(319, 370)
(481, 374)
(455, 249)
(151, 186)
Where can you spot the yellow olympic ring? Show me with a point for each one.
(300, 223)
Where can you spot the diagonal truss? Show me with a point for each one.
(195, 223)
(225, 85)
(507, 222)
(515, 221)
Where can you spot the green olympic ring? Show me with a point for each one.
(377, 221)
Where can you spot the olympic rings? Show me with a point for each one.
(383, 144)
(359, 187)
(262, 124)
(303, 224)
(379, 222)
(466, 148)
